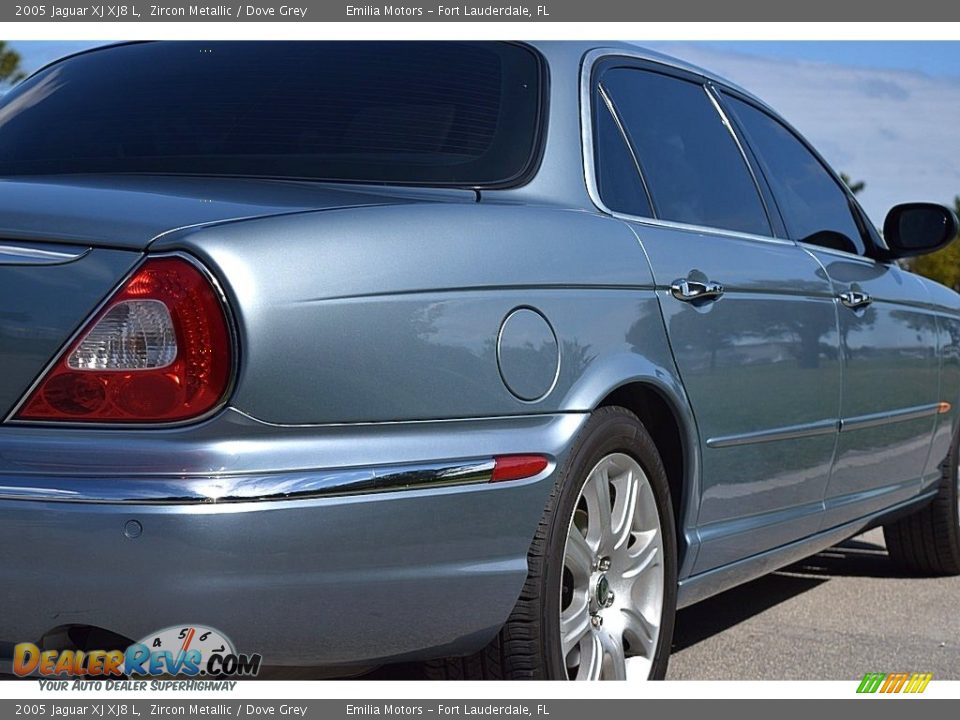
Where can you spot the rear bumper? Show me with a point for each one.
(312, 572)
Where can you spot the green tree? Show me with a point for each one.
(10, 70)
(943, 265)
(855, 187)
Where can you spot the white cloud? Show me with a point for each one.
(898, 131)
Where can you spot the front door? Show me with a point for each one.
(888, 337)
(890, 386)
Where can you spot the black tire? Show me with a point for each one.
(928, 541)
(527, 647)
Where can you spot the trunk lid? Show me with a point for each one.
(130, 211)
(67, 242)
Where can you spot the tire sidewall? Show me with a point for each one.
(609, 430)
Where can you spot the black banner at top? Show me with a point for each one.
(480, 11)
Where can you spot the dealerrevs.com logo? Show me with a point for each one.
(181, 650)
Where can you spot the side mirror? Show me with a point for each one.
(919, 228)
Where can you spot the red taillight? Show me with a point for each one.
(158, 351)
(517, 467)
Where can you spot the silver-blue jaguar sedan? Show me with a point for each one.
(487, 355)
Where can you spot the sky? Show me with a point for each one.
(886, 113)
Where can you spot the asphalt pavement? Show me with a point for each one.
(834, 616)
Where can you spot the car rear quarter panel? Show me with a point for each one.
(393, 313)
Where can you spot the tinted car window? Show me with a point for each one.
(814, 207)
(618, 179)
(463, 114)
(694, 170)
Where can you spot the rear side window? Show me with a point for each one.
(434, 113)
(691, 163)
(618, 180)
(814, 207)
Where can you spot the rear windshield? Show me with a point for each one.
(430, 113)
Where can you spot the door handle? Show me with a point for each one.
(693, 290)
(855, 299)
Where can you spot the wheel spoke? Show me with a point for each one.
(625, 510)
(591, 658)
(640, 632)
(574, 623)
(645, 553)
(615, 662)
(596, 492)
(578, 557)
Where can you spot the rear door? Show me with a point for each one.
(888, 331)
(750, 316)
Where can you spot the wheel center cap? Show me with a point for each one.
(603, 591)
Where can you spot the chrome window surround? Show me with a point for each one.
(618, 121)
(856, 209)
(715, 100)
(590, 60)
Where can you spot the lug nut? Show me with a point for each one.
(603, 564)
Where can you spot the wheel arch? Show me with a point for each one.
(663, 409)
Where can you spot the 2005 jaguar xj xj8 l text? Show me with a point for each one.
(489, 355)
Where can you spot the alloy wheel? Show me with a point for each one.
(611, 596)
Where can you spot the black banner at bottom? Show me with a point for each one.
(565, 709)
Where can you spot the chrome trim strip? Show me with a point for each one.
(889, 417)
(713, 94)
(389, 423)
(586, 127)
(33, 255)
(809, 247)
(615, 115)
(825, 427)
(586, 143)
(791, 432)
(702, 229)
(303, 485)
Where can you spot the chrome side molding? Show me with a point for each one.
(828, 427)
(293, 485)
